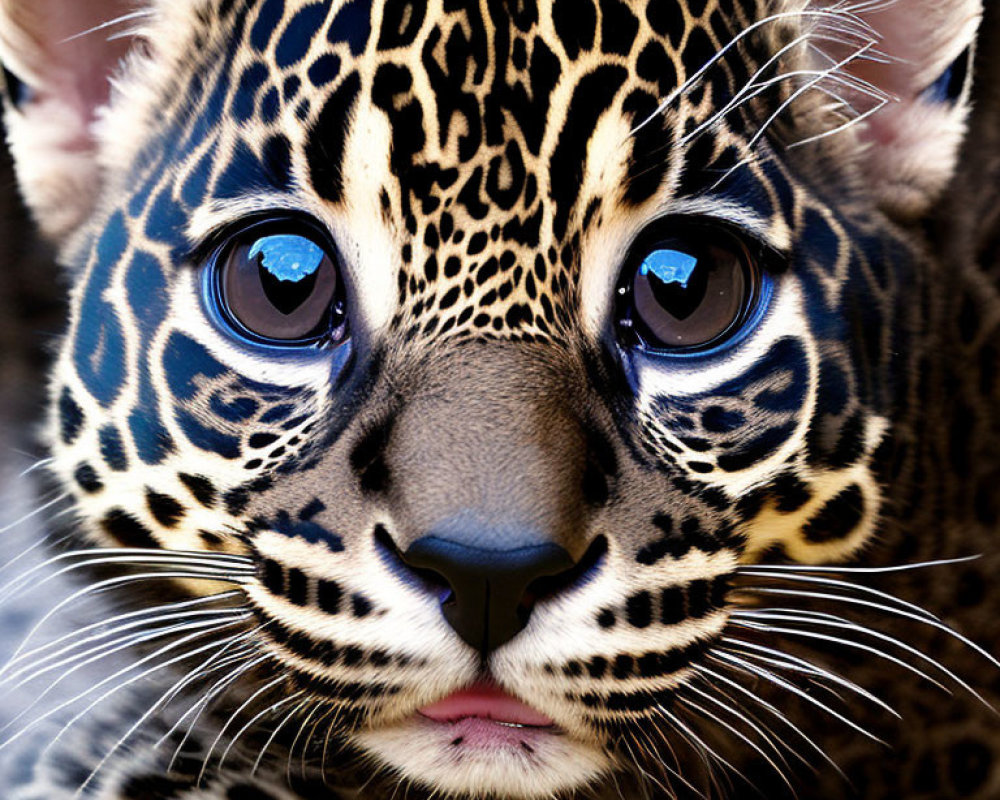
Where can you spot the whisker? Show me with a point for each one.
(117, 687)
(201, 627)
(143, 13)
(206, 667)
(924, 618)
(800, 664)
(840, 128)
(738, 98)
(79, 649)
(716, 697)
(666, 767)
(741, 736)
(253, 721)
(40, 463)
(833, 582)
(333, 714)
(842, 570)
(161, 702)
(232, 718)
(693, 737)
(96, 558)
(49, 540)
(36, 654)
(274, 735)
(771, 709)
(761, 132)
(813, 619)
(752, 88)
(682, 90)
(217, 691)
(207, 697)
(777, 680)
(295, 742)
(100, 587)
(40, 510)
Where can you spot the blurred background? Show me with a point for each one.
(31, 317)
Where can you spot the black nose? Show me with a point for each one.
(490, 599)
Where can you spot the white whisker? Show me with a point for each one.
(218, 690)
(842, 570)
(863, 30)
(771, 709)
(847, 625)
(112, 626)
(761, 672)
(833, 582)
(274, 734)
(100, 587)
(923, 618)
(254, 720)
(800, 664)
(741, 736)
(40, 510)
(200, 627)
(143, 13)
(91, 655)
(161, 702)
(117, 687)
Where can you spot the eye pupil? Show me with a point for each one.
(677, 283)
(287, 296)
(288, 267)
(279, 286)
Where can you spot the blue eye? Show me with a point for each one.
(688, 292)
(278, 283)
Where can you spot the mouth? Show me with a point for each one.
(485, 742)
(483, 715)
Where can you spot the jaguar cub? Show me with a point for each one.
(514, 398)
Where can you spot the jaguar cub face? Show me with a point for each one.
(480, 344)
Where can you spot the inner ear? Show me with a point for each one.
(910, 92)
(919, 40)
(66, 48)
(59, 57)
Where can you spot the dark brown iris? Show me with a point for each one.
(279, 286)
(691, 293)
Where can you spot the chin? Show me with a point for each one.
(476, 757)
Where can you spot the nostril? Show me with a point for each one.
(580, 574)
(425, 580)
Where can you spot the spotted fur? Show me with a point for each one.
(484, 168)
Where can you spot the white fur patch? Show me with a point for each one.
(423, 751)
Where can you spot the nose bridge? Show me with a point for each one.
(491, 451)
(489, 457)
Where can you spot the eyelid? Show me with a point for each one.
(745, 221)
(213, 242)
(773, 259)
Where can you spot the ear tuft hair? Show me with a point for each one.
(909, 89)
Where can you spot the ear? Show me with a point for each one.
(58, 57)
(921, 60)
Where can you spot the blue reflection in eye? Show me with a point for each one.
(288, 257)
(670, 266)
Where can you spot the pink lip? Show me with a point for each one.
(485, 701)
